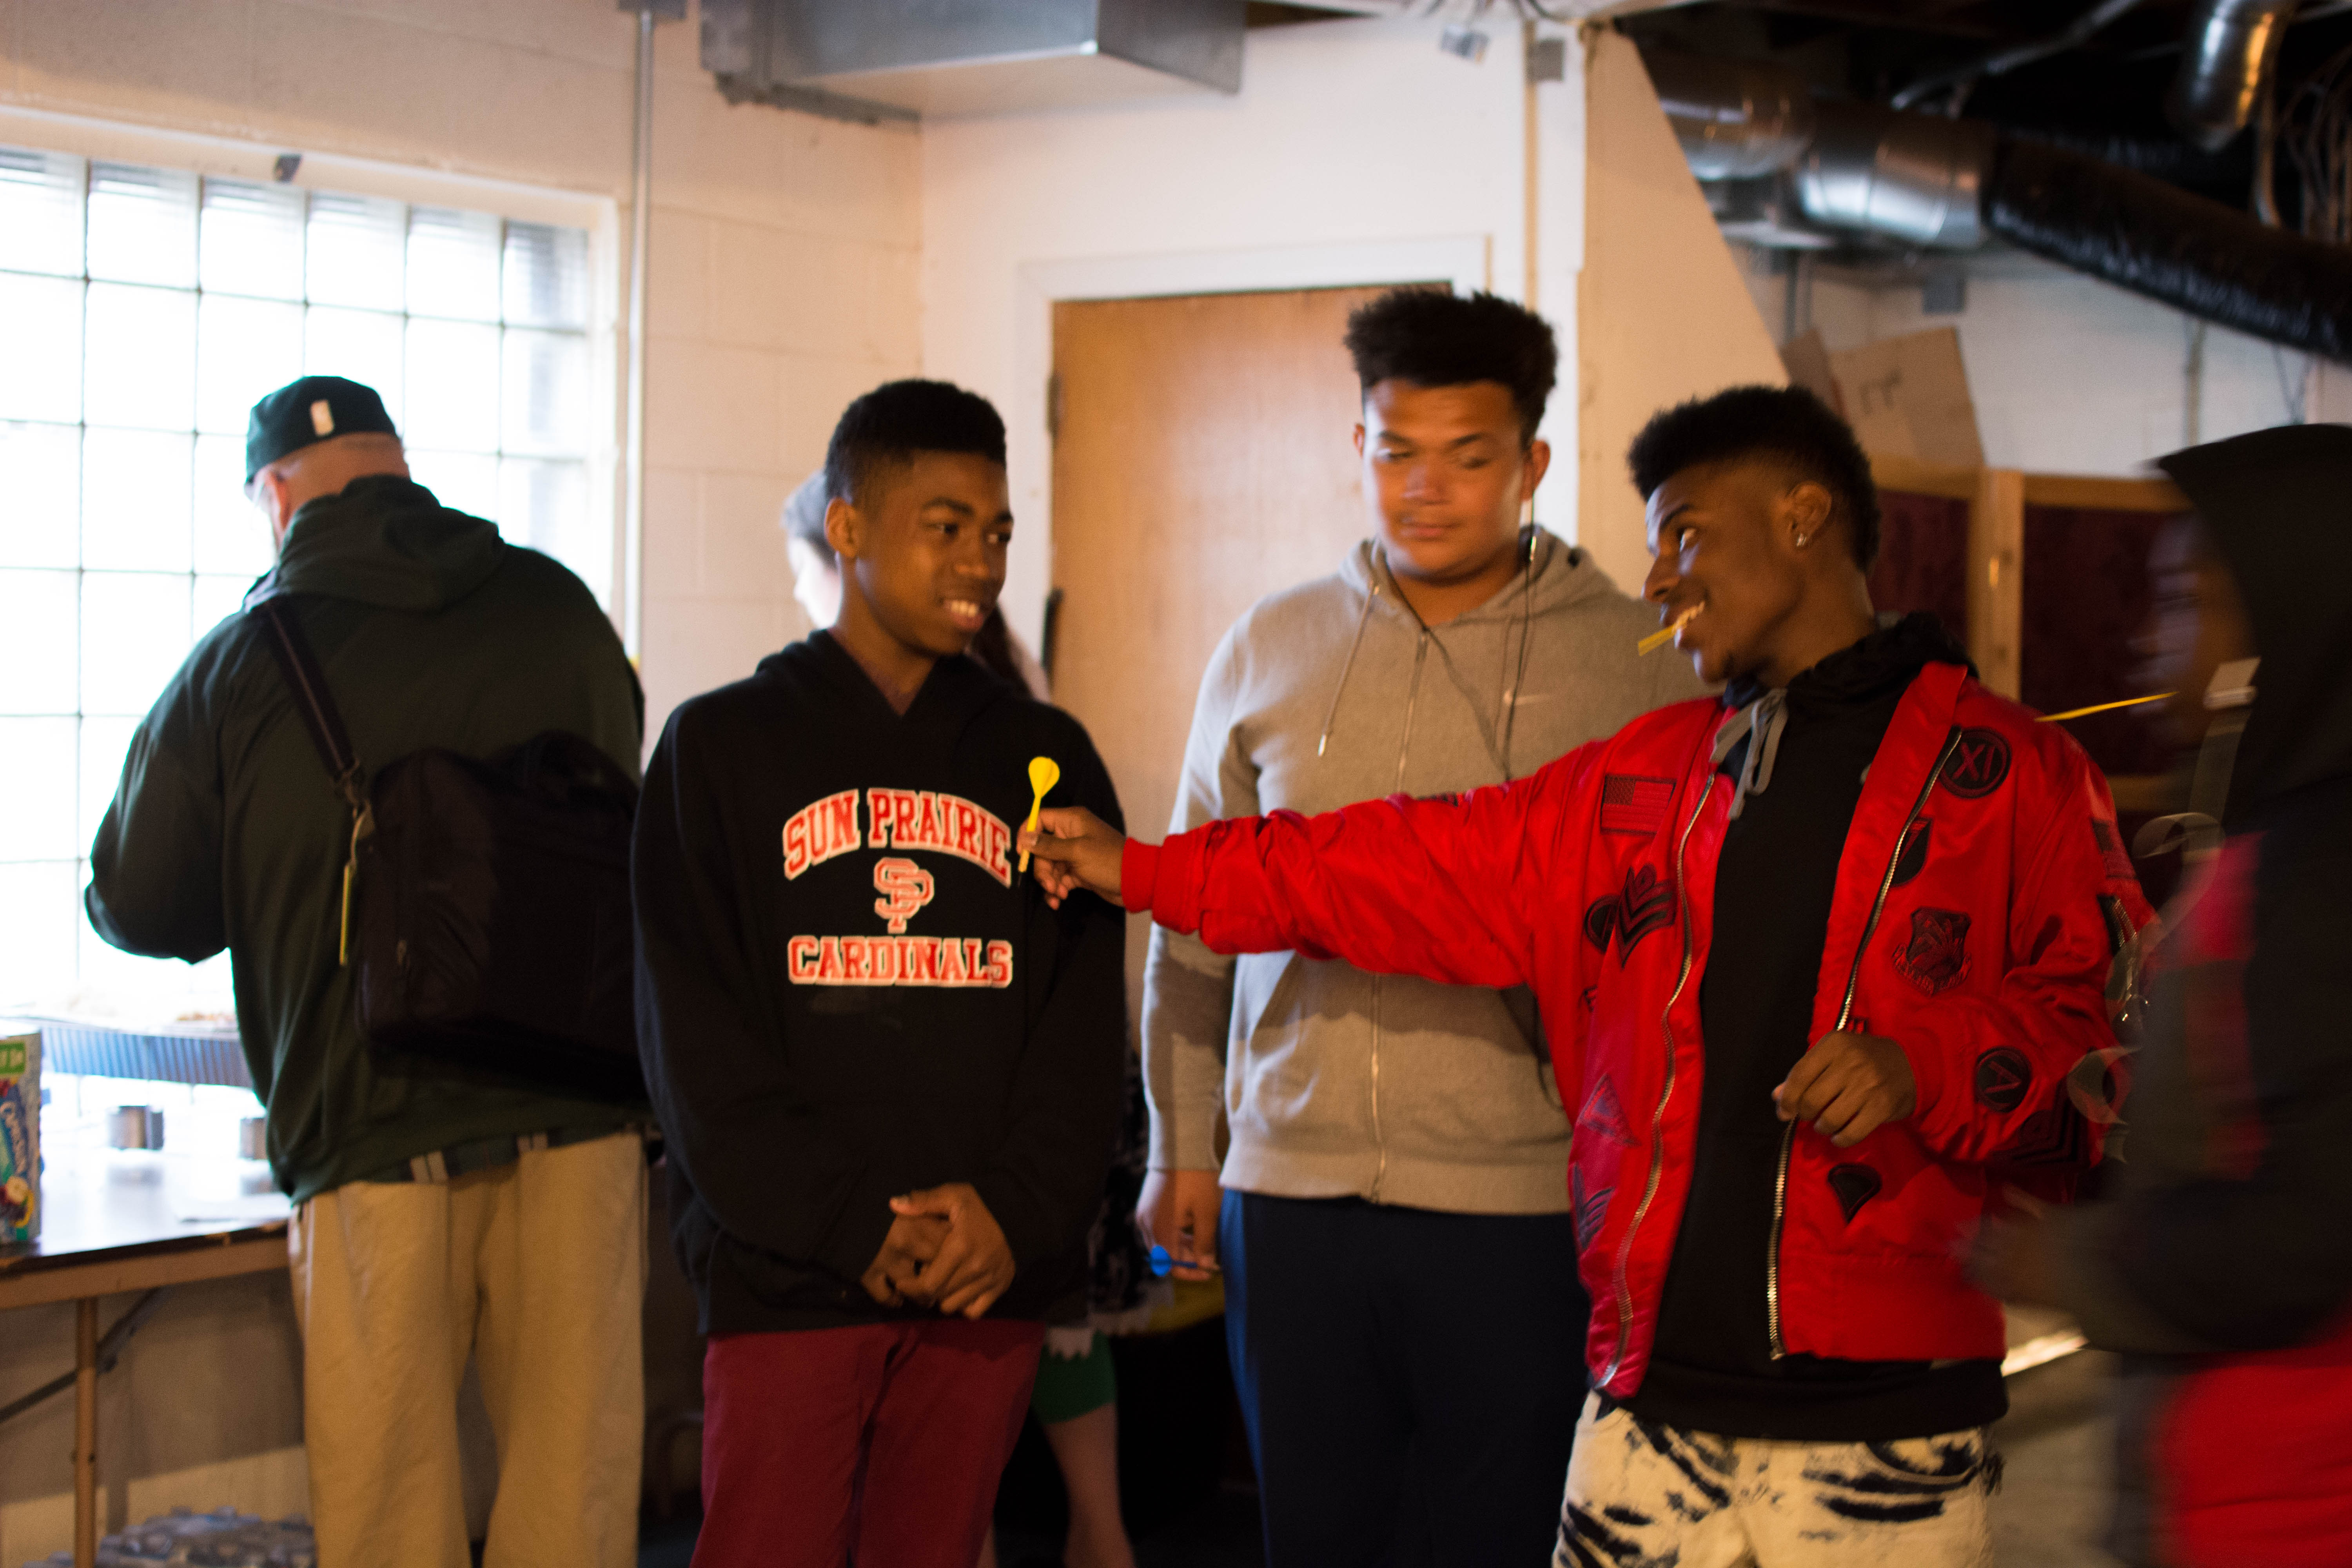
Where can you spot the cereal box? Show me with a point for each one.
(20, 1138)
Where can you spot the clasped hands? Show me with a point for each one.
(943, 1250)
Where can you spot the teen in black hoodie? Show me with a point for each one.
(2218, 1260)
(888, 1073)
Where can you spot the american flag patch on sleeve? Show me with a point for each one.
(1632, 804)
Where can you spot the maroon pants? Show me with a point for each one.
(884, 1440)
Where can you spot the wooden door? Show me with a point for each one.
(1203, 460)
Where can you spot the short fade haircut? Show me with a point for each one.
(1431, 338)
(1786, 424)
(887, 426)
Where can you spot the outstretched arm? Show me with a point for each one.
(1450, 888)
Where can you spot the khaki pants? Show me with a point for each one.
(537, 1269)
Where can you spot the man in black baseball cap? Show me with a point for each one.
(436, 1211)
(312, 437)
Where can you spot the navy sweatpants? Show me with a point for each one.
(1411, 1380)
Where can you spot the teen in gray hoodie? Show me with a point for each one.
(1393, 1226)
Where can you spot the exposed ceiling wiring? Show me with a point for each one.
(1958, 83)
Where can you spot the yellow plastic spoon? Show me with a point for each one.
(2103, 706)
(1664, 634)
(1045, 773)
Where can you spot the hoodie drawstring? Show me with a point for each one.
(1331, 713)
(1508, 720)
(1507, 704)
(1761, 721)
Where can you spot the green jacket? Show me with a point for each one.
(225, 831)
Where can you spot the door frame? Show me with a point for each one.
(1466, 261)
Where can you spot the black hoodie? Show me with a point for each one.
(2262, 1259)
(2227, 1227)
(846, 991)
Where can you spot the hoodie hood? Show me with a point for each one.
(1559, 574)
(2275, 503)
(1885, 660)
(1555, 574)
(1877, 667)
(386, 542)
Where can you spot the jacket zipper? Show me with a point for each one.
(1380, 1147)
(1404, 751)
(1657, 1117)
(1845, 1015)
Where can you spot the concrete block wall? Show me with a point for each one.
(784, 282)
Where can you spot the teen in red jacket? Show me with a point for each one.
(1816, 963)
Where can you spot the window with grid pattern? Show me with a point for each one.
(143, 310)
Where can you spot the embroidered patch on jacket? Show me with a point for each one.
(1591, 1208)
(1913, 858)
(2003, 1074)
(1601, 920)
(1936, 954)
(1604, 1116)
(1854, 1185)
(1632, 804)
(2111, 849)
(2057, 1134)
(1978, 765)
(1641, 907)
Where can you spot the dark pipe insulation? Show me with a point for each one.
(2197, 255)
(1930, 181)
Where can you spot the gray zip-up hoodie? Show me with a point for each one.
(1335, 1082)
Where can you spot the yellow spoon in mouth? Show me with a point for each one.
(1045, 773)
(1664, 634)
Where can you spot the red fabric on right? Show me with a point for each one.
(2255, 1460)
(886, 1439)
(1139, 874)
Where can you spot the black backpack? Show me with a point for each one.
(485, 900)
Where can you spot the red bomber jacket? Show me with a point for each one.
(1980, 895)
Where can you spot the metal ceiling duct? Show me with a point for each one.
(1930, 181)
(964, 57)
(2225, 55)
(1735, 119)
(1917, 178)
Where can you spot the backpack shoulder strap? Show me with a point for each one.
(312, 697)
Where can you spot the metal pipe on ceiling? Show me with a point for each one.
(1918, 178)
(1735, 119)
(2228, 53)
(1927, 181)
(2209, 260)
